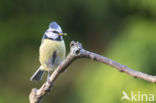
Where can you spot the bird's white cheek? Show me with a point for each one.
(49, 34)
(52, 35)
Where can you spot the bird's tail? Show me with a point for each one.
(37, 76)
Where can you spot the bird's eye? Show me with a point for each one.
(55, 32)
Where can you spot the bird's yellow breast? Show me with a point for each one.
(47, 49)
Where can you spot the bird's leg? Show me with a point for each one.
(48, 77)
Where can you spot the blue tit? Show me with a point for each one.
(52, 51)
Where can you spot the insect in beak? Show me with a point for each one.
(63, 34)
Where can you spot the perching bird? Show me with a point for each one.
(52, 51)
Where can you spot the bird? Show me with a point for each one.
(52, 51)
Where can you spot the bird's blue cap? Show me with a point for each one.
(54, 25)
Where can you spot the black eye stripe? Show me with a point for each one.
(55, 32)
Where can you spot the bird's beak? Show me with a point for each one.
(63, 34)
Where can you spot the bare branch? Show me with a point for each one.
(76, 51)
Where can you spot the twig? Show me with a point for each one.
(77, 51)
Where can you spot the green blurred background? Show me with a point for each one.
(123, 30)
